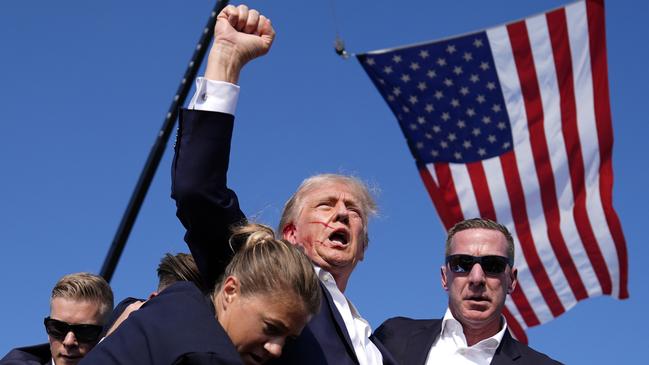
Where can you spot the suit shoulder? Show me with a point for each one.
(535, 357)
(408, 322)
(29, 355)
(403, 325)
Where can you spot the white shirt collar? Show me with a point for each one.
(452, 329)
(357, 327)
(323, 275)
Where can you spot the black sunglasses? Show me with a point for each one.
(86, 333)
(491, 265)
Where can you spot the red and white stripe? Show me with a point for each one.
(553, 191)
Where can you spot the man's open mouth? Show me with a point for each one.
(339, 236)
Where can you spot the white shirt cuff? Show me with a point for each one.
(215, 96)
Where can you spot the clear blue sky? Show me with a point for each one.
(84, 87)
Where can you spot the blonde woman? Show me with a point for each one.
(267, 295)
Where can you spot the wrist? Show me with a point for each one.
(223, 63)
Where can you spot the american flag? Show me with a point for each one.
(513, 123)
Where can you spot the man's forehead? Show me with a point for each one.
(74, 310)
(334, 190)
(479, 241)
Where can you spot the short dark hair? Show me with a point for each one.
(178, 267)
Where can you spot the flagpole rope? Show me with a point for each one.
(339, 43)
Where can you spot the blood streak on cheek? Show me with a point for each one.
(323, 223)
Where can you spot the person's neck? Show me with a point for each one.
(474, 335)
(341, 280)
(341, 277)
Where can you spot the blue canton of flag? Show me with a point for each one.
(447, 98)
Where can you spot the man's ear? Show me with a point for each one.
(444, 277)
(366, 244)
(289, 233)
(513, 280)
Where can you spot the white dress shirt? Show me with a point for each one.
(221, 96)
(358, 328)
(451, 346)
(214, 96)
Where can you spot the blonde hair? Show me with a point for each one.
(482, 223)
(268, 265)
(85, 286)
(294, 205)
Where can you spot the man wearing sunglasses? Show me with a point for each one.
(477, 275)
(79, 307)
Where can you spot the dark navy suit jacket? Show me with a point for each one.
(176, 327)
(207, 209)
(117, 311)
(410, 340)
(30, 355)
(40, 354)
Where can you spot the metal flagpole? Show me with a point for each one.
(155, 155)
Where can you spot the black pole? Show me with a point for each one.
(155, 155)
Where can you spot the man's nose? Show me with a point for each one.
(274, 346)
(477, 276)
(342, 213)
(70, 339)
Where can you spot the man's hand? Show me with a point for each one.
(240, 35)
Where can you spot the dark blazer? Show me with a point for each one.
(410, 340)
(325, 340)
(207, 209)
(178, 326)
(117, 311)
(30, 355)
(205, 206)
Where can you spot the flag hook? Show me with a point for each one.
(339, 46)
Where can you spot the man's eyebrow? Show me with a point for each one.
(352, 201)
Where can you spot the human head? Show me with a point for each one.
(179, 267)
(476, 299)
(80, 298)
(328, 215)
(268, 293)
(480, 223)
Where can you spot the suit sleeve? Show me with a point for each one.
(205, 206)
(208, 358)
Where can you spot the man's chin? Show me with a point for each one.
(338, 263)
(478, 315)
(68, 360)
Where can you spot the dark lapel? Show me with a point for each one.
(507, 352)
(420, 342)
(340, 324)
(388, 359)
